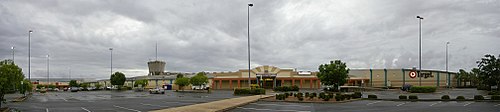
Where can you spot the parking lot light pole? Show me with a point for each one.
(48, 74)
(248, 25)
(419, 50)
(29, 54)
(111, 51)
(12, 48)
(447, 43)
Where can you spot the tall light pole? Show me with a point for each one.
(29, 54)
(12, 48)
(419, 49)
(248, 25)
(111, 49)
(48, 74)
(448, 80)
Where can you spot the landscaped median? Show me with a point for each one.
(313, 97)
(479, 98)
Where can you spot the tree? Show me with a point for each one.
(143, 82)
(334, 73)
(489, 70)
(98, 86)
(180, 75)
(118, 78)
(26, 86)
(84, 85)
(73, 83)
(10, 77)
(199, 79)
(181, 82)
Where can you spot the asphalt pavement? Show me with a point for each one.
(371, 106)
(113, 101)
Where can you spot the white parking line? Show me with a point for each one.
(468, 103)
(373, 102)
(64, 99)
(127, 108)
(401, 104)
(46, 109)
(497, 105)
(271, 110)
(435, 103)
(152, 105)
(281, 105)
(86, 109)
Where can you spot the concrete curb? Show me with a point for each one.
(215, 106)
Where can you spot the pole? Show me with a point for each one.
(48, 75)
(12, 53)
(29, 54)
(248, 36)
(70, 73)
(419, 49)
(111, 65)
(447, 43)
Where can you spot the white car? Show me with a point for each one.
(200, 87)
(157, 91)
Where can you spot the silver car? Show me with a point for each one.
(157, 91)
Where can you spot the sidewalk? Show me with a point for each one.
(216, 106)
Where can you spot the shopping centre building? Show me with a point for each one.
(271, 76)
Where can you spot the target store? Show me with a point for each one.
(399, 77)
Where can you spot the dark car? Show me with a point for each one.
(406, 87)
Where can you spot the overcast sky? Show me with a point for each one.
(211, 35)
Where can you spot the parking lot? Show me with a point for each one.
(371, 106)
(113, 101)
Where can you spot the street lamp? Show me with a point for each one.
(12, 48)
(29, 54)
(248, 25)
(48, 75)
(447, 43)
(111, 49)
(419, 49)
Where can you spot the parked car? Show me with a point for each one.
(90, 88)
(65, 89)
(406, 87)
(200, 87)
(74, 89)
(43, 90)
(157, 91)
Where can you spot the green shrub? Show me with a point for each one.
(301, 98)
(445, 97)
(321, 95)
(326, 97)
(413, 97)
(422, 89)
(403, 97)
(51, 86)
(294, 88)
(338, 98)
(307, 94)
(460, 98)
(493, 93)
(39, 86)
(311, 96)
(286, 94)
(495, 97)
(478, 97)
(314, 94)
(347, 96)
(300, 94)
(357, 95)
(372, 96)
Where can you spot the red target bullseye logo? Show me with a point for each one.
(413, 74)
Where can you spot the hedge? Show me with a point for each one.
(422, 89)
(246, 91)
(287, 88)
(445, 97)
(372, 96)
(413, 97)
(357, 95)
(478, 97)
(495, 97)
(403, 97)
(493, 93)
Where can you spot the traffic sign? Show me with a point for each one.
(413, 74)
